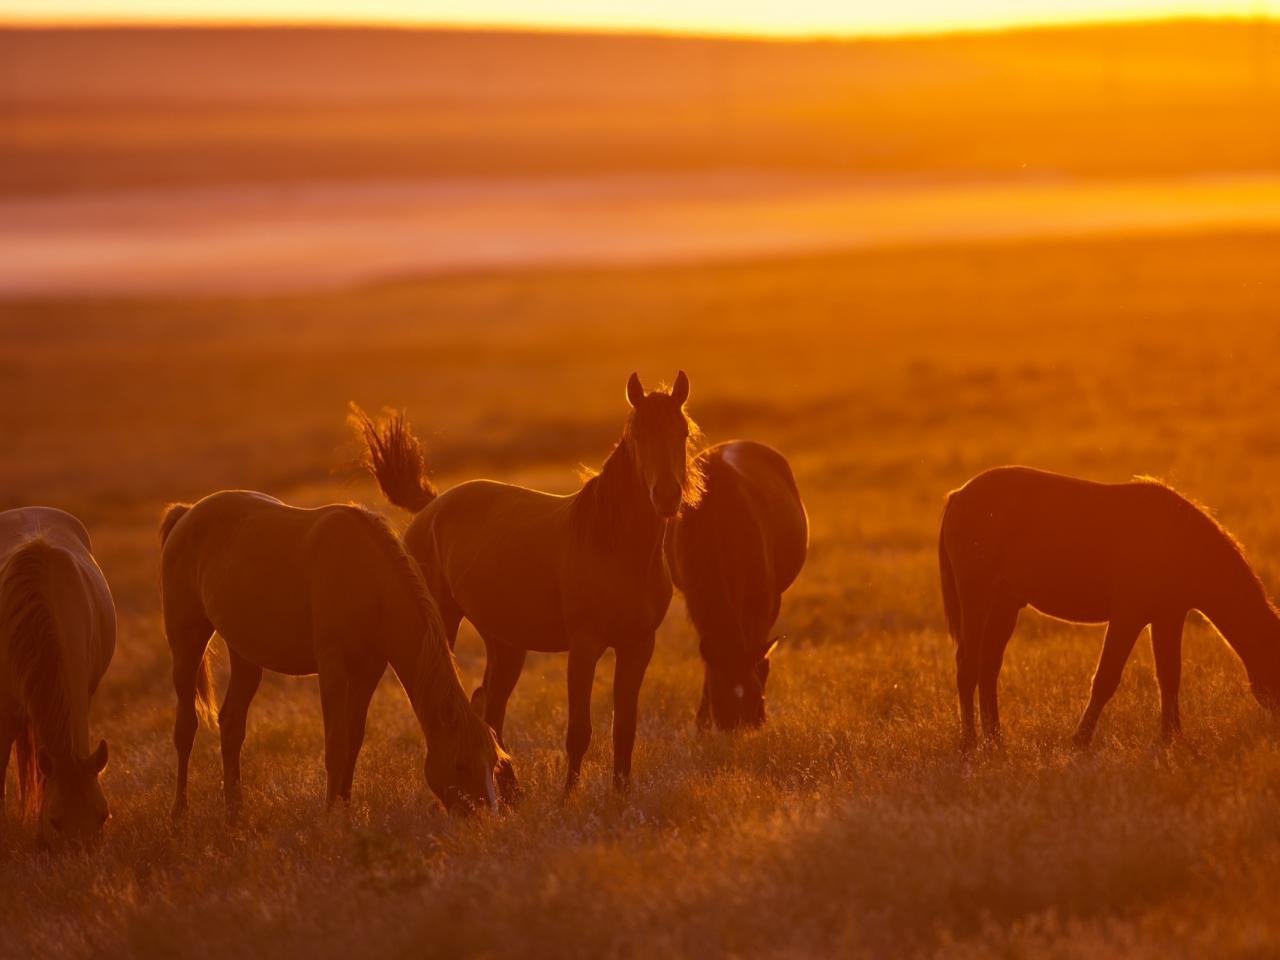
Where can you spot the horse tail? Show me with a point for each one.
(950, 595)
(28, 629)
(172, 514)
(206, 709)
(393, 456)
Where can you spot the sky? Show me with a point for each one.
(767, 17)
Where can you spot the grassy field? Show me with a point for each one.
(849, 826)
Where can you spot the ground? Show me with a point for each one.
(851, 825)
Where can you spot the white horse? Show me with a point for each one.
(328, 591)
(57, 635)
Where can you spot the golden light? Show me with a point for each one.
(762, 17)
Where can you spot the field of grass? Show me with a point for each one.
(850, 825)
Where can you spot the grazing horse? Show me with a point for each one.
(536, 571)
(1127, 554)
(57, 635)
(328, 591)
(732, 556)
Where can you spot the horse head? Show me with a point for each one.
(73, 808)
(463, 757)
(657, 439)
(736, 685)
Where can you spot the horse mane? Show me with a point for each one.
(596, 513)
(437, 668)
(28, 627)
(711, 539)
(1219, 535)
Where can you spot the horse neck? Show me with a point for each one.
(1238, 607)
(54, 688)
(616, 511)
(425, 669)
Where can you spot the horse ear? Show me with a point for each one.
(479, 700)
(680, 392)
(45, 762)
(635, 391)
(99, 757)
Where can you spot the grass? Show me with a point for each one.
(850, 825)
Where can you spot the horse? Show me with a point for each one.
(732, 556)
(1127, 554)
(537, 571)
(57, 635)
(327, 591)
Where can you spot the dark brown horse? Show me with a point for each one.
(535, 571)
(732, 556)
(328, 591)
(1127, 554)
(57, 635)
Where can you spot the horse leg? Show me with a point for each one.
(999, 628)
(968, 661)
(241, 688)
(187, 643)
(334, 683)
(359, 692)
(501, 673)
(1166, 644)
(629, 668)
(584, 654)
(9, 728)
(703, 719)
(1122, 634)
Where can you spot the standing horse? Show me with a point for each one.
(328, 591)
(57, 635)
(535, 571)
(1128, 554)
(732, 556)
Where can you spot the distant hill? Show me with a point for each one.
(114, 107)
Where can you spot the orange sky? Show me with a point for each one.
(769, 17)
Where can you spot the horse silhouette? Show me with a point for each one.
(537, 571)
(1127, 554)
(732, 556)
(328, 591)
(57, 635)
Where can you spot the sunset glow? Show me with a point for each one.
(756, 17)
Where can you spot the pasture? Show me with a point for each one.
(850, 825)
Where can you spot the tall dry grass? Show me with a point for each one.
(850, 825)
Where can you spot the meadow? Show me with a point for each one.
(850, 825)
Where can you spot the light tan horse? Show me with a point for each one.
(536, 571)
(1127, 554)
(733, 556)
(57, 635)
(328, 591)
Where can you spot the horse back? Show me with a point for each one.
(1074, 548)
(494, 550)
(771, 501)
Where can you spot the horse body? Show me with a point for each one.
(1127, 554)
(513, 594)
(325, 591)
(536, 571)
(732, 556)
(57, 637)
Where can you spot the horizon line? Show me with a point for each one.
(1041, 24)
